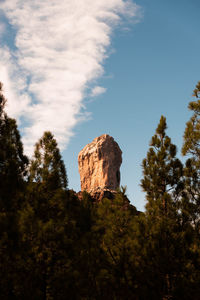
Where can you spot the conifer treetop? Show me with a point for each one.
(47, 164)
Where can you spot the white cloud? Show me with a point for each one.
(97, 90)
(14, 85)
(61, 46)
(2, 29)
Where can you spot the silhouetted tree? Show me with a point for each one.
(165, 235)
(191, 194)
(191, 147)
(13, 166)
(114, 226)
(47, 167)
(44, 221)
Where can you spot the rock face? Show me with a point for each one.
(99, 163)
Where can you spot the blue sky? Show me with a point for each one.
(152, 67)
(153, 71)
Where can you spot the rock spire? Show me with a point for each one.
(99, 165)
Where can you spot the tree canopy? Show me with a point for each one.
(55, 244)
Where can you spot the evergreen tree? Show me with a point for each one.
(44, 222)
(114, 227)
(13, 163)
(13, 166)
(88, 257)
(165, 242)
(192, 131)
(162, 171)
(191, 194)
(191, 147)
(47, 167)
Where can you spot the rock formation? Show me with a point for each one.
(99, 166)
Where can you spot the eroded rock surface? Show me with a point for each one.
(99, 165)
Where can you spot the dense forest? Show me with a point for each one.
(54, 246)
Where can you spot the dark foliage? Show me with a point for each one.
(55, 246)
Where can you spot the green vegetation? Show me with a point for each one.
(55, 246)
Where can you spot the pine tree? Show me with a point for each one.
(191, 194)
(47, 167)
(192, 131)
(162, 170)
(13, 167)
(114, 227)
(13, 163)
(44, 222)
(164, 244)
(191, 147)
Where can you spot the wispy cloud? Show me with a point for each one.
(59, 49)
(97, 90)
(2, 29)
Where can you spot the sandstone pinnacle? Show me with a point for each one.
(99, 165)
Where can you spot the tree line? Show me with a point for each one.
(54, 246)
